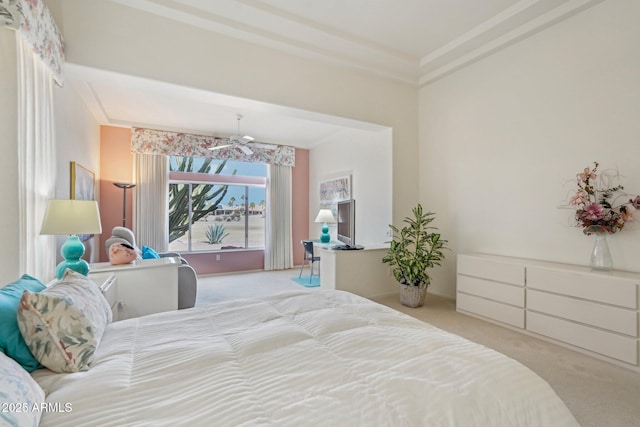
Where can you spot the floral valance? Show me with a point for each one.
(33, 21)
(150, 141)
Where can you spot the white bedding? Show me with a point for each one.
(322, 358)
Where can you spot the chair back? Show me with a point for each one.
(308, 247)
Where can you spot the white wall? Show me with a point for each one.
(9, 225)
(111, 36)
(78, 140)
(500, 139)
(366, 156)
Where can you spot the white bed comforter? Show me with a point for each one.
(297, 359)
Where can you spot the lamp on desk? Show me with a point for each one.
(325, 216)
(72, 217)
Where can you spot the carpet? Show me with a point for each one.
(304, 281)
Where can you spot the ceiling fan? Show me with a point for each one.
(244, 143)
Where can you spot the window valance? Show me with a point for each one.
(34, 22)
(151, 141)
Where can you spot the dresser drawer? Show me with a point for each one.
(603, 316)
(491, 269)
(490, 309)
(497, 291)
(596, 340)
(592, 286)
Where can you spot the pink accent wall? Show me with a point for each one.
(232, 261)
(116, 165)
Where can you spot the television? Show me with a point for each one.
(346, 219)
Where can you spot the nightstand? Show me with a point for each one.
(109, 289)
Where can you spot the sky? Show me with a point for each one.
(256, 194)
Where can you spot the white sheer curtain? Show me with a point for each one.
(278, 254)
(36, 161)
(152, 189)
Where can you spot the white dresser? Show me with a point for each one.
(144, 286)
(590, 311)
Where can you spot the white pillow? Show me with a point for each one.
(63, 324)
(20, 395)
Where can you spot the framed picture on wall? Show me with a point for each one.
(334, 190)
(82, 182)
(82, 188)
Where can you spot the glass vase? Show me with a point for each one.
(601, 256)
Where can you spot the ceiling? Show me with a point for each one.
(412, 41)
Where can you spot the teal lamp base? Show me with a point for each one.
(324, 237)
(72, 251)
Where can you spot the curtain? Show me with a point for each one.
(35, 25)
(36, 161)
(160, 142)
(278, 252)
(151, 207)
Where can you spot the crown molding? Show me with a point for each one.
(278, 29)
(307, 39)
(472, 45)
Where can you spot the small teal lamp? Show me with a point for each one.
(325, 216)
(72, 217)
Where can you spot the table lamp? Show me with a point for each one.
(72, 217)
(325, 216)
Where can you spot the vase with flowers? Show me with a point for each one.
(601, 208)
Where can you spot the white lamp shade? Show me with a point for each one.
(71, 217)
(325, 215)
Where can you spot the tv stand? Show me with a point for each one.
(347, 248)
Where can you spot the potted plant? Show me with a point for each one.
(415, 248)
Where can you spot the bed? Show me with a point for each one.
(301, 358)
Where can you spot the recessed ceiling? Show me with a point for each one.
(122, 100)
(413, 41)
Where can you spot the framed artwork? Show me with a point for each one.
(82, 188)
(334, 190)
(82, 182)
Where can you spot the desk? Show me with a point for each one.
(318, 244)
(360, 272)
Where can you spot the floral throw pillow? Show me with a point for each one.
(63, 324)
(19, 394)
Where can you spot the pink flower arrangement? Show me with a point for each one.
(597, 204)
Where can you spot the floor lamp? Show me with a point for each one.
(124, 187)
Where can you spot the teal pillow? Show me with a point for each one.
(149, 253)
(11, 341)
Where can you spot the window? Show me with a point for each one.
(215, 205)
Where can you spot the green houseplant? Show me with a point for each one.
(415, 248)
(216, 233)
